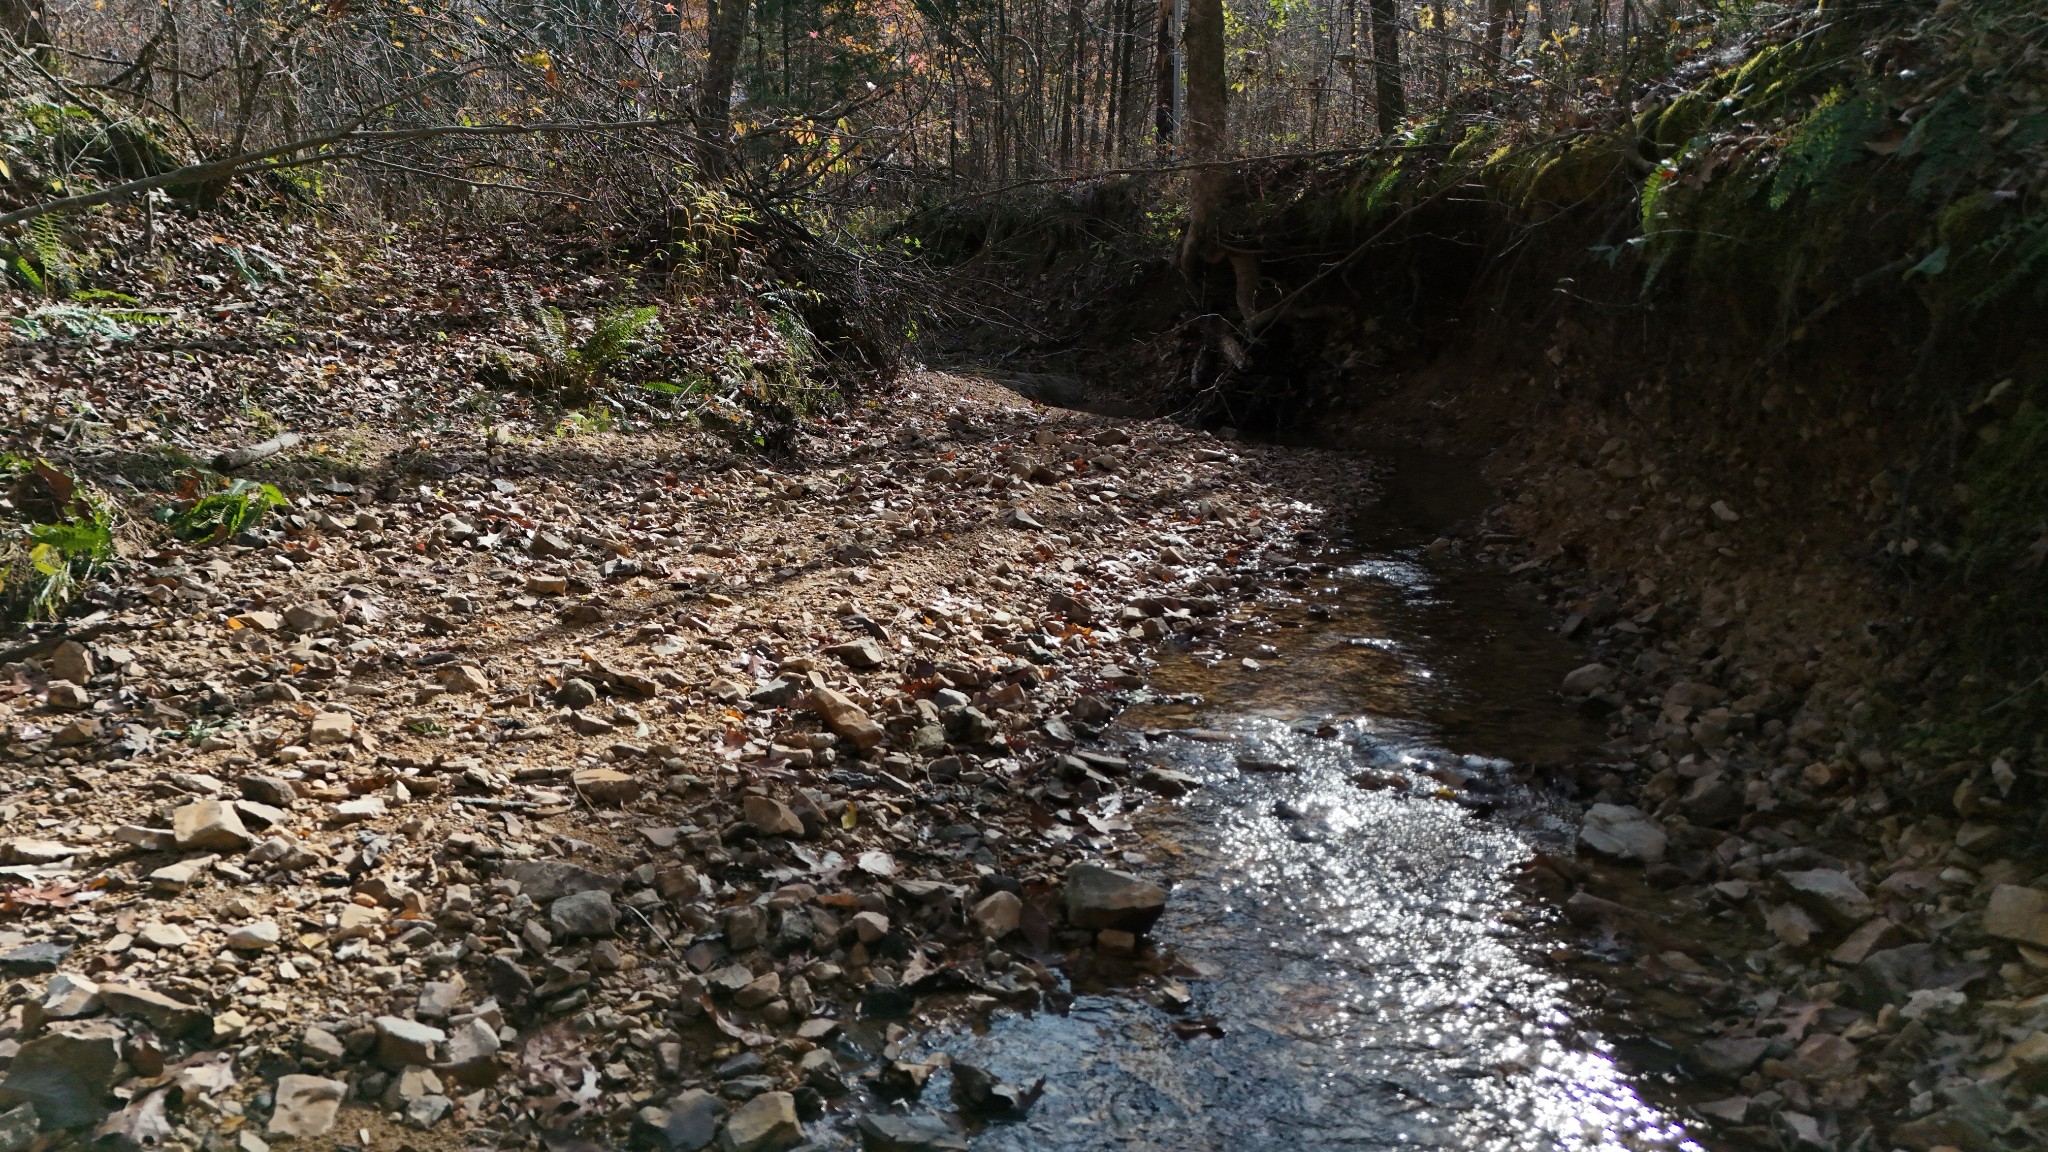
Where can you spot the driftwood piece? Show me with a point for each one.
(235, 458)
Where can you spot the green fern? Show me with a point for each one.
(44, 564)
(85, 321)
(220, 515)
(1827, 141)
(558, 362)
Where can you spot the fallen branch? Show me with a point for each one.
(235, 458)
(281, 156)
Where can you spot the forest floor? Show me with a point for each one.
(543, 770)
(500, 786)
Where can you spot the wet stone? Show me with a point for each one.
(1830, 895)
(1096, 897)
(1728, 1059)
(924, 1133)
(1624, 832)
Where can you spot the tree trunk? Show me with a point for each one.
(1496, 34)
(728, 34)
(1162, 77)
(1203, 39)
(1389, 97)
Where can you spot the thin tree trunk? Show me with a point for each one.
(1203, 40)
(728, 35)
(1390, 98)
(1496, 33)
(1162, 78)
(1442, 28)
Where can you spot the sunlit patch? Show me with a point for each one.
(1369, 989)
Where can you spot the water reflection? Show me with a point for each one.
(1358, 963)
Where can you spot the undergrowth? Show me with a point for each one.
(212, 509)
(55, 536)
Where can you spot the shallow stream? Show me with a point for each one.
(1359, 967)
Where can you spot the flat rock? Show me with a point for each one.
(67, 696)
(1587, 679)
(210, 825)
(161, 935)
(167, 1015)
(402, 1042)
(71, 661)
(1624, 832)
(311, 618)
(465, 680)
(767, 1123)
(358, 810)
(880, 1132)
(321, 1046)
(76, 734)
(70, 996)
(267, 790)
(584, 915)
(544, 881)
(306, 1106)
(331, 728)
(862, 654)
(2018, 913)
(357, 921)
(27, 851)
(771, 817)
(426, 1111)
(1829, 895)
(607, 786)
(32, 959)
(177, 877)
(1096, 897)
(468, 1057)
(551, 546)
(1728, 1059)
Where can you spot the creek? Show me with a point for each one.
(1353, 963)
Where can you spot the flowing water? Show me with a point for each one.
(1359, 968)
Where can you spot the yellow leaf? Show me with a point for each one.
(849, 819)
(47, 559)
